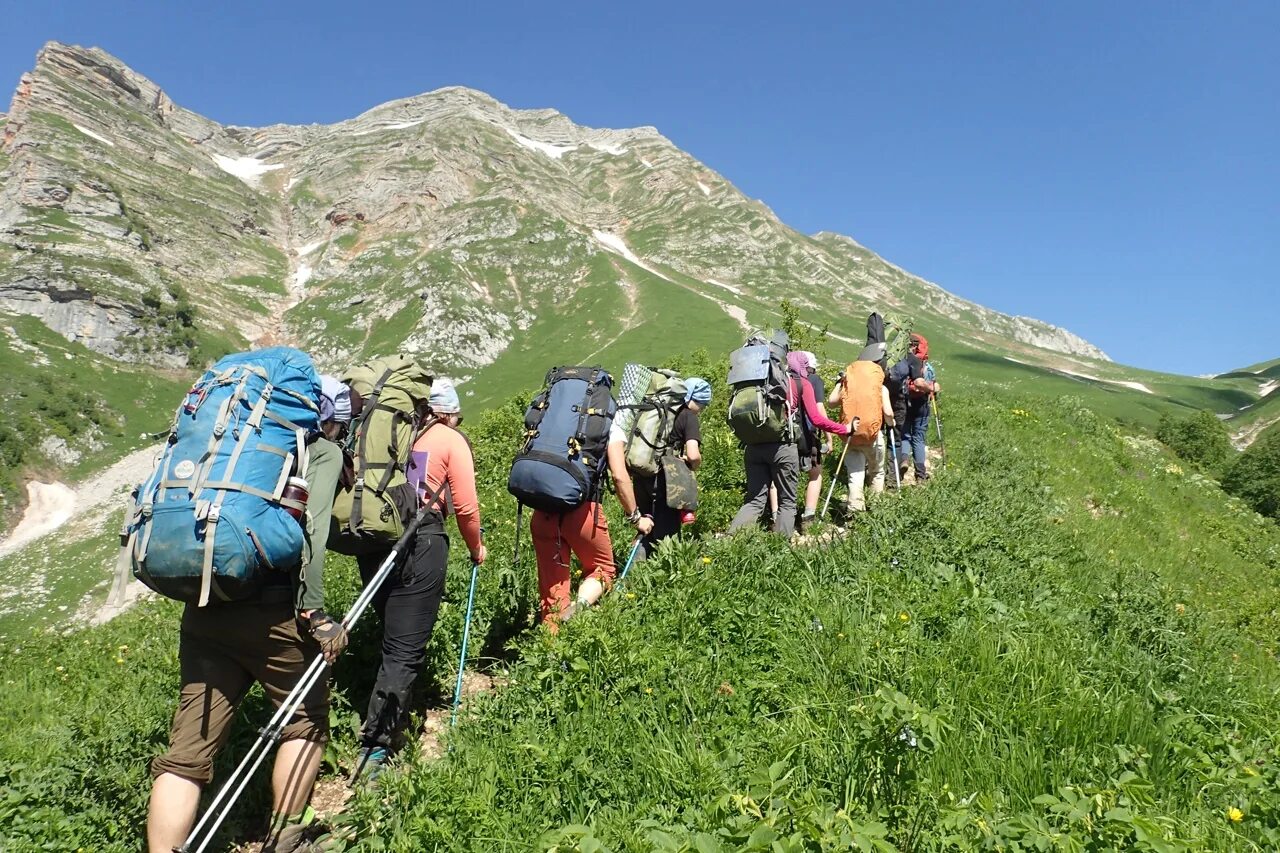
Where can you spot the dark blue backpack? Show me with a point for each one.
(563, 461)
(213, 516)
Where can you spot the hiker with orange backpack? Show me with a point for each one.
(911, 385)
(864, 405)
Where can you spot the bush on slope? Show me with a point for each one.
(1047, 648)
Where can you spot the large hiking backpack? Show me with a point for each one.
(650, 436)
(762, 405)
(861, 400)
(213, 518)
(563, 461)
(371, 514)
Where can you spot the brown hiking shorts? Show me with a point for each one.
(224, 649)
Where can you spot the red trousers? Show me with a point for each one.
(584, 532)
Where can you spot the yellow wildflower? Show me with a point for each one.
(648, 690)
(119, 660)
(904, 617)
(1180, 607)
(1235, 815)
(706, 561)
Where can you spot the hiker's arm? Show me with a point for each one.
(693, 454)
(837, 388)
(617, 454)
(886, 406)
(466, 503)
(324, 466)
(815, 413)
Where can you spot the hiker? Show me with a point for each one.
(649, 497)
(409, 600)
(911, 387)
(811, 446)
(777, 462)
(559, 474)
(864, 403)
(271, 637)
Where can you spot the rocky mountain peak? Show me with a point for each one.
(445, 223)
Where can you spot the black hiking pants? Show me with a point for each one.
(407, 603)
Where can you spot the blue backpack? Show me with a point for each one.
(213, 517)
(563, 461)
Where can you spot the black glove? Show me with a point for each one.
(331, 635)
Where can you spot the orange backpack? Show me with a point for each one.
(861, 399)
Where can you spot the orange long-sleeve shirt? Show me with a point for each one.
(449, 460)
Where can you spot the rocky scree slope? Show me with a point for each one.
(446, 224)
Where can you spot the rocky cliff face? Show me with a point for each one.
(445, 223)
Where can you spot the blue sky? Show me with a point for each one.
(1109, 167)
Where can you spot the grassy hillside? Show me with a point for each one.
(69, 411)
(1065, 642)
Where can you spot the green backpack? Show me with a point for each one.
(762, 407)
(372, 513)
(654, 418)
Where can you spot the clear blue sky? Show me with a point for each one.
(1110, 167)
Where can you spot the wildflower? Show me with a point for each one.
(1235, 815)
(119, 661)
(706, 561)
(59, 669)
(630, 596)
(904, 617)
(1180, 608)
(124, 648)
(840, 636)
(648, 690)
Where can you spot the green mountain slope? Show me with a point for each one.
(1050, 645)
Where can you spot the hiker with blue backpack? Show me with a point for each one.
(559, 474)
(655, 445)
(440, 480)
(233, 522)
(912, 386)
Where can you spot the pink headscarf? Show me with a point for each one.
(798, 362)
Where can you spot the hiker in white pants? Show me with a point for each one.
(858, 463)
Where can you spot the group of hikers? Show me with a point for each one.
(270, 464)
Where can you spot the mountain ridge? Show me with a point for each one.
(589, 179)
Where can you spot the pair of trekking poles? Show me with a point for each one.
(207, 827)
(893, 449)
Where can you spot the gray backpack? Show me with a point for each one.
(762, 405)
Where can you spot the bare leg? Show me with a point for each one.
(171, 812)
(294, 774)
(813, 491)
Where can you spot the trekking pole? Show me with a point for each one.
(631, 558)
(515, 558)
(937, 421)
(269, 735)
(893, 448)
(466, 636)
(853, 424)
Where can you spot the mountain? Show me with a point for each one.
(446, 223)
(139, 240)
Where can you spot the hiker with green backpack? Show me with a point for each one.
(233, 522)
(764, 408)
(655, 445)
(409, 457)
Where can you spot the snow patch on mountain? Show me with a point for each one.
(555, 152)
(729, 287)
(248, 169)
(706, 190)
(89, 133)
(1136, 386)
(1267, 387)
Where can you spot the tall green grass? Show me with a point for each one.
(1064, 642)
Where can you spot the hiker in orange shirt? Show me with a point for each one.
(410, 598)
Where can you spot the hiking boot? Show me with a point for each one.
(305, 837)
(370, 763)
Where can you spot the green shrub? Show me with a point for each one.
(1255, 475)
(1199, 437)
